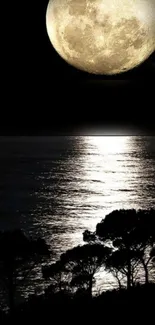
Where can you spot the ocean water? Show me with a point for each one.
(57, 187)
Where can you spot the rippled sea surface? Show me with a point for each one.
(57, 187)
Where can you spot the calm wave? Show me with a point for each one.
(59, 186)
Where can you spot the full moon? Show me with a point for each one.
(102, 36)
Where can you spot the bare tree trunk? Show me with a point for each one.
(118, 280)
(90, 286)
(145, 266)
(132, 279)
(146, 274)
(128, 281)
(129, 271)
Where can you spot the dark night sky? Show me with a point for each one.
(48, 92)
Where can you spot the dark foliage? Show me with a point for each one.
(131, 233)
(123, 243)
(78, 266)
(18, 256)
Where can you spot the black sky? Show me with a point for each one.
(43, 94)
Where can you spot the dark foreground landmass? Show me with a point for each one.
(110, 306)
(123, 244)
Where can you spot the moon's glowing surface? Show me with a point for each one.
(102, 36)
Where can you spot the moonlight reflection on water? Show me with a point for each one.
(98, 175)
(60, 186)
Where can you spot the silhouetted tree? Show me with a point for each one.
(84, 262)
(81, 263)
(57, 274)
(144, 238)
(117, 265)
(132, 233)
(89, 236)
(18, 256)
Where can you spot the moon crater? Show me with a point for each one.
(102, 36)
